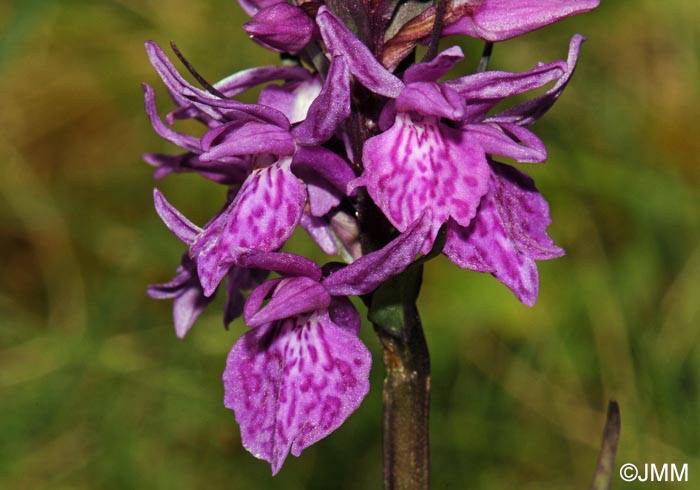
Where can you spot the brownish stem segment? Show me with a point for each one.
(608, 449)
(406, 393)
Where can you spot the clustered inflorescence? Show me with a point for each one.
(350, 130)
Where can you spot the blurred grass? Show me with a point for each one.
(98, 393)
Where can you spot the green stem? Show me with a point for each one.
(406, 391)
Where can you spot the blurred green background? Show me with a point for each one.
(97, 392)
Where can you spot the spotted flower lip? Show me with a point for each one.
(302, 370)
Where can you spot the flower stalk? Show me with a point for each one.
(406, 392)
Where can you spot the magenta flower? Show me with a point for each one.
(384, 169)
(255, 144)
(302, 370)
(421, 162)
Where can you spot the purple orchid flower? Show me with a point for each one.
(420, 163)
(302, 370)
(424, 149)
(258, 141)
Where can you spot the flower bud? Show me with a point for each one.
(281, 27)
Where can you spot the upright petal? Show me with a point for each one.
(292, 383)
(530, 111)
(422, 165)
(432, 70)
(498, 20)
(329, 109)
(175, 220)
(327, 164)
(431, 99)
(360, 61)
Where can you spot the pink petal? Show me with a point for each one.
(292, 99)
(188, 298)
(320, 231)
(241, 81)
(180, 139)
(186, 95)
(229, 171)
(252, 77)
(431, 99)
(432, 70)
(175, 220)
(261, 217)
(498, 20)
(234, 139)
(422, 165)
(340, 41)
(281, 262)
(507, 235)
(292, 383)
(508, 140)
(325, 163)
(368, 272)
(482, 91)
(291, 297)
(530, 111)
